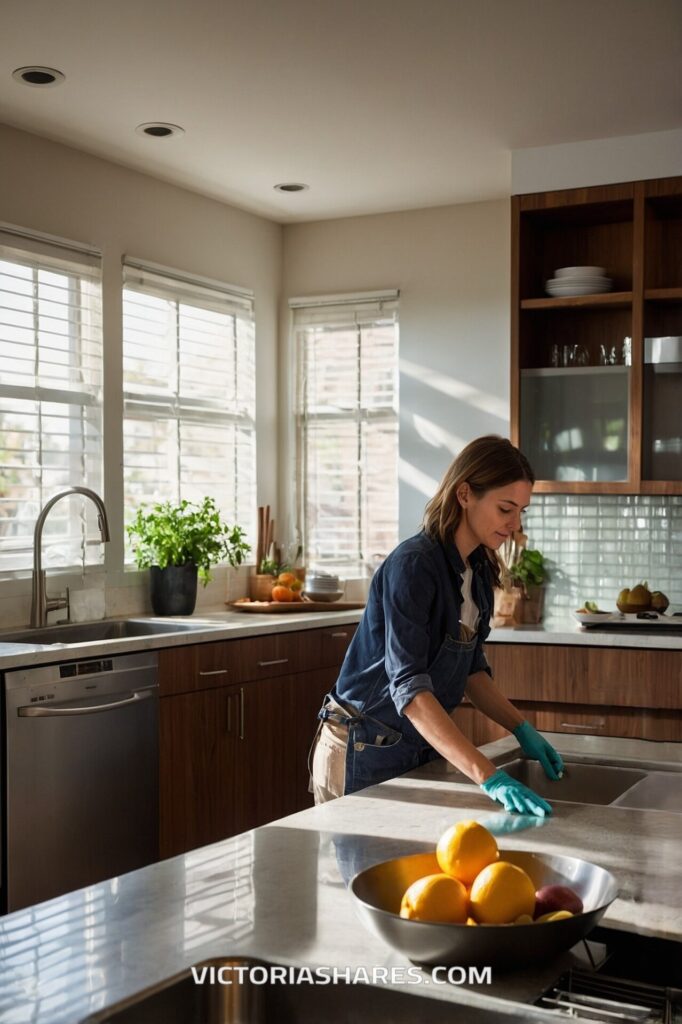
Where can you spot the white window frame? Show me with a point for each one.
(357, 309)
(41, 252)
(180, 287)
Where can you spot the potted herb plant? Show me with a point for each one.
(179, 544)
(528, 573)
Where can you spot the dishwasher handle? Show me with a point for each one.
(31, 711)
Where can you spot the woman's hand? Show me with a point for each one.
(537, 748)
(514, 796)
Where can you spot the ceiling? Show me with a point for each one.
(378, 105)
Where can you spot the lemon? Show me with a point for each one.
(465, 849)
(435, 898)
(501, 893)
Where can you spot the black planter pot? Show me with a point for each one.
(174, 589)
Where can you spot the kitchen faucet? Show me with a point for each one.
(41, 604)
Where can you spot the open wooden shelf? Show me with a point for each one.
(663, 294)
(605, 300)
(634, 231)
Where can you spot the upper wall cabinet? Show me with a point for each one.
(596, 388)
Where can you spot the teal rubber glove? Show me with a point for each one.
(514, 795)
(537, 747)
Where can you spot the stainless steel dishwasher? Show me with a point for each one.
(81, 774)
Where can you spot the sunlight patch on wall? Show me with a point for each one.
(497, 407)
(422, 482)
(436, 436)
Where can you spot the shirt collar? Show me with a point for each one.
(476, 558)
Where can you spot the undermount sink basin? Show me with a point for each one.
(180, 1000)
(581, 783)
(87, 632)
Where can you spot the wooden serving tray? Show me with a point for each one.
(277, 607)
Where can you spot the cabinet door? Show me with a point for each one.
(197, 779)
(263, 751)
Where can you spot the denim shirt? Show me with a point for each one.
(408, 639)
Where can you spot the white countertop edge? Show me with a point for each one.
(226, 625)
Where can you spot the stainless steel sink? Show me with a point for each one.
(581, 783)
(659, 791)
(107, 629)
(180, 1000)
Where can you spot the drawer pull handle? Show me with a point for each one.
(339, 636)
(578, 725)
(214, 672)
(275, 661)
(241, 712)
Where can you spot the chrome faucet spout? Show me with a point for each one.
(41, 604)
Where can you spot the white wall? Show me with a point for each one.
(452, 267)
(62, 191)
(597, 162)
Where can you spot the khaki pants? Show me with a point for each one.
(328, 768)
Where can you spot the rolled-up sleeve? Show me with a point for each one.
(408, 596)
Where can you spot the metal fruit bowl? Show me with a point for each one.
(377, 892)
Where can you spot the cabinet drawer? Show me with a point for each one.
(590, 720)
(204, 666)
(587, 675)
(199, 667)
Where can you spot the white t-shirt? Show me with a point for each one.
(468, 614)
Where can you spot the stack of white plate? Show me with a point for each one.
(322, 586)
(578, 281)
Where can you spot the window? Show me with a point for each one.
(189, 392)
(50, 398)
(347, 417)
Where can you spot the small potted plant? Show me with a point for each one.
(179, 544)
(528, 573)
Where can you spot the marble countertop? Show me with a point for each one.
(279, 893)
(229, 625)
(209, 627)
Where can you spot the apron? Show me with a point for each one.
(376, 752)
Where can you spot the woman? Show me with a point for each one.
(419, 645)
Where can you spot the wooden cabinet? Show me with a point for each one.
(596, 691)
(237, 718)
(607, 422)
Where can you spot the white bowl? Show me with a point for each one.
(580, 272)
(323, 595)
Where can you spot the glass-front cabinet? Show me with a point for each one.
(597, 337)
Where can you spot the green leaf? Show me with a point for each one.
(188, 533)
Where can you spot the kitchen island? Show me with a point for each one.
(278, 893)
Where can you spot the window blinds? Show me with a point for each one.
(347, 416)
(50, 396)
(189, 385)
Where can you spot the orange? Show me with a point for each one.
(501, 893)
(465, 849)
(435, 898)
(287, 578)
(296, 586)
(282, 594)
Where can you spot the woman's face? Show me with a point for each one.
(494, 516)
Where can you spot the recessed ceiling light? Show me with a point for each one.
(37, 75)
(159, 129)
(292, 186)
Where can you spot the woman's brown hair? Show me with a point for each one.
(486, 463)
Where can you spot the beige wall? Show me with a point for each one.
(451, 265)
(62, 191)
